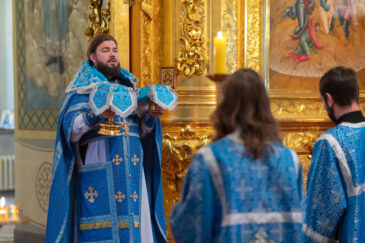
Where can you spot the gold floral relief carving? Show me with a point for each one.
(297, 108)
(146, 8)
(151, 41)
(302, 142)
(241, 33)
(192, 58)
(230, 29)
(147, 48)
(178, 150)
(99, 18)
(305, 161)
(253, 35)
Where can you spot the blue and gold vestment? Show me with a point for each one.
(101, 202)
(228, 197)
(336, 185)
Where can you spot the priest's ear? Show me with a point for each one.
(329, 100)
(93, 58)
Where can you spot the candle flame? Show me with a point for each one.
(2, 202)
(220, 35)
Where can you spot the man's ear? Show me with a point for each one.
(329, 100)
(93, 58)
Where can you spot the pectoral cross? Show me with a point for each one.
(125, 126)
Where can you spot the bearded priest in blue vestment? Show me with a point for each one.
(245, 186)
(106, 188)
(336, 179)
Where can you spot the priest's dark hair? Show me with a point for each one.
(96, 41)
(342, 84)
(245, 105)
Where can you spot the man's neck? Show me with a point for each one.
(341, 110)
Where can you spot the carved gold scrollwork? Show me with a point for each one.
(252, 45)
(301, 141)
(297, 108)
(191, 59)
(99, 18)
(177, 154)
(305, 161)
(230, 26)
(146, 8)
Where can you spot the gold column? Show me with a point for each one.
(167, 30)
(120, 30)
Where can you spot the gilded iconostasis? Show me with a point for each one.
(171, 42)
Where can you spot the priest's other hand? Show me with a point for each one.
(155, 110)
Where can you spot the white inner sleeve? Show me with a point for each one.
(95, 152)
(146, 224)
(79, 128)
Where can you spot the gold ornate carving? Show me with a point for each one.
(253, 35)
(296, 108)
(302, 142)
(99, 18)
(192, 58)
(146, 8)
(231, 30)
(146, 73)
(179, 152)
(305, 161)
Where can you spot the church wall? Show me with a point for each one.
(6, 57)
(43, 65)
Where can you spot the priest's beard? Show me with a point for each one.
(109, 72)
(330, 112)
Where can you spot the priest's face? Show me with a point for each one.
(106, 59)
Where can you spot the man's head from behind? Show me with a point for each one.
(103, 53)
(339, 86)
(246, 106)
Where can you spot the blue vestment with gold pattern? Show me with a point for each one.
(228, 197)
(336, 186)
(100, 202)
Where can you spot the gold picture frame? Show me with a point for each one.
(289, 104)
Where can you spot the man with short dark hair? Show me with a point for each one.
(106, 188)
(336, 179)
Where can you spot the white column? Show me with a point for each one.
(6, 56)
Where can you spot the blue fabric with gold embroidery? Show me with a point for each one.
(103, 213)
(118, 98)
(228, 197)
(336, 186)
(162, 95)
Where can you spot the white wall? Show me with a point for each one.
(6, 55)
